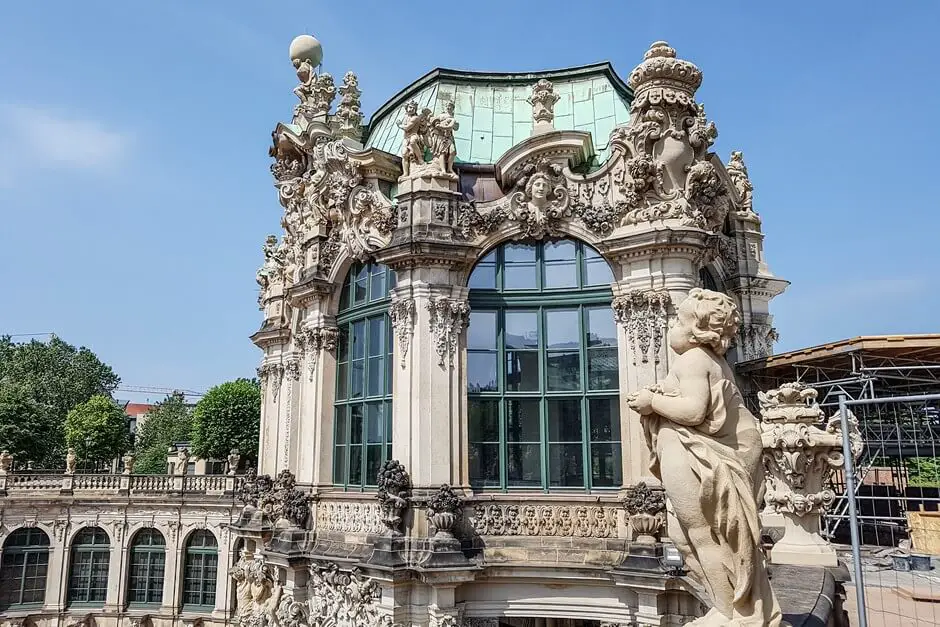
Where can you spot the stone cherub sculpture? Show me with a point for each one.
(414, 143)
(706, 449)
(181, 464)
(70, 461)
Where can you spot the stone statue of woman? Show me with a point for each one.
(706, 450)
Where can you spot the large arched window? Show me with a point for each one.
(542, 369)
(199, 572)
(362, 432)
(24, 568)
(88, 576)
(148, 561)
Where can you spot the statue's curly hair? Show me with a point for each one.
(715, 318)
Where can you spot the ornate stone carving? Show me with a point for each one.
(292, 368)
(470, 223)
(541, 201)
(234, 457)
(444, 510)
(314, 339)
(348, 112)
(646, 508)
(667, 173)
(737, 172)
(414, 125)
(643, 313)
(402, 312)
(349, 517)
(449, 317)
(272, 270)
(281, 502)
(271, 376)
(315, 92)
(257, 592)
(758, 339)
(573, 521)
(6, 462)
(543, 99)
(128, 464)
(181, 463)
(706, 451)
(367, 219)
(394, 486)
(441, 139)
(801, 450)
(338, 599)
(253, 485)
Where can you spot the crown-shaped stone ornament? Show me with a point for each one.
(662, 76)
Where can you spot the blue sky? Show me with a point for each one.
(134, 185)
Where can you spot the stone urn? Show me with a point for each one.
(444, 509)
(646, 511)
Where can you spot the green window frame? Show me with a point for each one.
(200, 570)
(147, 568)
(88, 574)
(362, 421)
(24, 568)
(542, 371)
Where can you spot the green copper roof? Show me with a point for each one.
(493, 113)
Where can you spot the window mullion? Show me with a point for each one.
(543, 404)
(585, 433)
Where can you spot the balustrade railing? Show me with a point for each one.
(150, 483)
(34, 481)
(31, 482)
(96, 482)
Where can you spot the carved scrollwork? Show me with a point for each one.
(583, 521)
(402, 312)
(449, 317)
(312, 340)
(350, 517)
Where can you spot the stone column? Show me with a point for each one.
(57, 579)
(801, 450)
(117, 559)
(173, 569)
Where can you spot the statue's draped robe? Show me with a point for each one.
(724, 453)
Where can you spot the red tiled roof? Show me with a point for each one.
(136, 409)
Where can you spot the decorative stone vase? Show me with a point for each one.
(444, 524)
(444, 509)
(801, 450)
(646, 511)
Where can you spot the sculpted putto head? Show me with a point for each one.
(705, 318)
(411, 108)
(538, 189)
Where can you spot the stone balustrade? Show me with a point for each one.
(29, 484)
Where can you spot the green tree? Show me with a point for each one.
(26, 427)
(226, 418)
(97, 429)
(170, 421)
(58, 377)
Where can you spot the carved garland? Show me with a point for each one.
(449, 317)
(545, 520)
(643, 313)
(402, 312)
(314, 339)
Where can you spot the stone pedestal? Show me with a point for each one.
(800, 452)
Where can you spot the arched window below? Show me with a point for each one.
(199, 573)
(542, 369)
(147, 565)
(88, 576)
(362, 428)
(24, 568)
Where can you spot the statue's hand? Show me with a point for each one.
(641, 402)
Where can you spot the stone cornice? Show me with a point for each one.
(264, 338)
(568, 148)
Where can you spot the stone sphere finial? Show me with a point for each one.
(306, 48)
(662, 73)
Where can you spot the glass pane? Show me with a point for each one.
(564, 371)
(602, 369)
(561, 275)
(355, 465)
(358, 378)
(519, 277)
(482, 330)
(377, 289)
(388, 424)
(566, 465)
(483, 277)
(339, 465)
(523, 423)
(564, 250)
(342, 382)
(343, 354)
(564, 420)
(604, 419)
(484, 464)
(606, 466)
(522, 329)
(339, 428)
(344, 296)
(522, 371)
(561, 328)
(376, 336)
(484, 421)
(375, 423)
(360, 291)
(524, 466)
(355, 424)
(359, 339)
(597, 272)
(376, 376)
(518, 252)
(481, 372)
(373, 463)
(601, 329)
